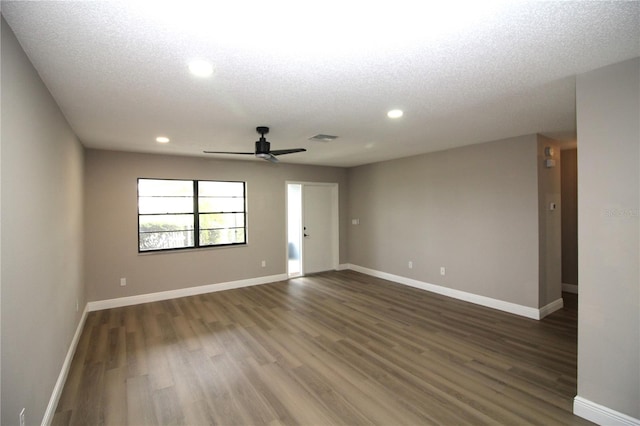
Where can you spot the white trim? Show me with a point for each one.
(64, 371)
(342, 267)
(182, 292)
(513, 308)
(570, 288)
(600, 414)
(551, 308)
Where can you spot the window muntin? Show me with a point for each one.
(170, 215)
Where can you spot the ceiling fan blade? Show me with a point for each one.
(267, 156)
(287, 151)
(225, 152)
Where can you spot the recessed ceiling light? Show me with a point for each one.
(395, 113)
(162, 139)
(201, 68)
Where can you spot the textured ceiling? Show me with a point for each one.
(463, 72)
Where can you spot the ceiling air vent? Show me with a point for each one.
(322, 138)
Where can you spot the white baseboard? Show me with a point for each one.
(342, 267)
(513, 308)
(600, 414)
(550, 308)
(570, 288)
(64, 371)
(182, 292)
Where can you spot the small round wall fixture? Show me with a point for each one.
(162, 139)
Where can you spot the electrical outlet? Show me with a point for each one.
(123, 282)
(264, 263)
(442, 270)
(22, 417)
(410, 265)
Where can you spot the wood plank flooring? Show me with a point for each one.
(333, 348)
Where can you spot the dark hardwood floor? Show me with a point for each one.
(333, 348)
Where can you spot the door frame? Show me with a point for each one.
(335, 222)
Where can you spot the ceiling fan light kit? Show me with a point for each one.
(263, 148)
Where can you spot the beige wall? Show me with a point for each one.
(608, 112)
(473, 210)
(549, 224)
(569, 192)
(42, 168)
(111, 222)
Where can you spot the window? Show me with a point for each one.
(178, 214)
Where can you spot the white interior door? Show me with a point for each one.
(320, 228)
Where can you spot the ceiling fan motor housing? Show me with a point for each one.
(262, 146)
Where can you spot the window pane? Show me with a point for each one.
(165, 188)
(173, 222)
(222, 236)
(211, 204)
(221, 220)
(148, 205)
(220, 189)
(166, 240)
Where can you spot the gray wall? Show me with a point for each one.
(111, 222)
(569, 192)
(42, 169)
(473, 210)
(549, 223)
(608, 113)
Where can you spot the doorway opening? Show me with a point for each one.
(294, 226)
(569, 215)
(312, 227)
